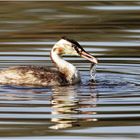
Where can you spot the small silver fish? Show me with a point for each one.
(92, 71)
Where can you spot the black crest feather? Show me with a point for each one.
(75, 43)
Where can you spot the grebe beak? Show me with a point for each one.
(89, 57)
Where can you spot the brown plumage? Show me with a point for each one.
(32, 75)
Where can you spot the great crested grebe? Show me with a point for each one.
(65, 74)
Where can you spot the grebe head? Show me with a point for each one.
(72, 47)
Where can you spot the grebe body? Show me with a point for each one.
(64, 74)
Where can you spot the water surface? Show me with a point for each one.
(106, 109)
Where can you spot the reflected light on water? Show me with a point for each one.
(114, 8)
(107, 109)
(89, 43)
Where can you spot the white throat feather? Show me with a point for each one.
(71, 73)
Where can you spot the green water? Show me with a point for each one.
(107, 109)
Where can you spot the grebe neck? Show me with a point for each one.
(66, 68)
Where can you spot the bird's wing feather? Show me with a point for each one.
(32, 75)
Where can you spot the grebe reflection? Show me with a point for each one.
(67, 105)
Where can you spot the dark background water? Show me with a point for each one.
(107, 109)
